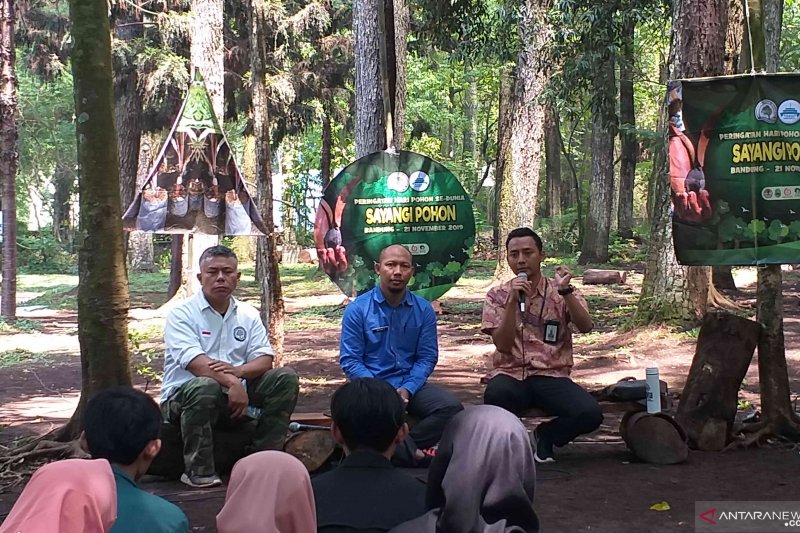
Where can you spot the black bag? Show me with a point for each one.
(629, 390)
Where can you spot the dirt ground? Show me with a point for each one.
(596, 485)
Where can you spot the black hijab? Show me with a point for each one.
(482, 479)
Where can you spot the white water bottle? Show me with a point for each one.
(653, 389)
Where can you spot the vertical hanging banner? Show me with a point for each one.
(734, 169)
(395, 198)
(195, 185)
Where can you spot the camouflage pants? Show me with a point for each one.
(200, 404)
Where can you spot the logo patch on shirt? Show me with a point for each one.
(239, 333)
(205, 333)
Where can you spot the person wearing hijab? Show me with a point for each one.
(482, 479)
(269, 492)
(70, 496)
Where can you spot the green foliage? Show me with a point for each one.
(41, 252)
(47, 153)
(626, 251)
(560, 234)
(146, 361)
(19, 326)
(18, 356)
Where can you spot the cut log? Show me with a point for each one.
(654, 438)
(313, 448)
(708, 404)
(594, 276)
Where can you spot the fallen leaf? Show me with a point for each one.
(660, 506)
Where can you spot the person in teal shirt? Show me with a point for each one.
(121, 425)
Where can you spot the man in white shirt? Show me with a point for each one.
(218, 368)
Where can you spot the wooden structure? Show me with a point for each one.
(710, 398)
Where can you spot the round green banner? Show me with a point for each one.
(395, 198)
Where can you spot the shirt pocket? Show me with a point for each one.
(406, 339)
(376, 336)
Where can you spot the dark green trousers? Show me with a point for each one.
(200, 404)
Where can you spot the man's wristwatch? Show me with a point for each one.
(569, 290)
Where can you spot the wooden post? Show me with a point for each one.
(710, 398)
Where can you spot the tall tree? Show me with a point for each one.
(552, 148)
(594, 248)
(627, 117)
(520, 182)
(8, 159)
(670, 291)
(778, 414)
(102, 288)
(370, 134)
(267, 260)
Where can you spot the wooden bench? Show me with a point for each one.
(608, 407)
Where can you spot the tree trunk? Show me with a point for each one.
(601, 180)
(776, 405)
(710, 397)
(128, 110)
(102, 288)
(503, 139)
(175, 266)
(9, 159)
(471, 128)
(207, 54)
(370, 127)
(63, 187)
(552, 149)
(400, 62)
(517, 205)
(267, 259)
(628, 145)
(697, 50)
(327, 144)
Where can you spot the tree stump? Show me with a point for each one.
(313, 447)
(654, 438)
(604, 277)
(709, 400)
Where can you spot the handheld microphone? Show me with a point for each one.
(521, 297)
(297, 426)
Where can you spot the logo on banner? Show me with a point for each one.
(767, 111)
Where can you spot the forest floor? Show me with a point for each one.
(596, 485)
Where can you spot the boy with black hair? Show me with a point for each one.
(121, 425)
(366, 493)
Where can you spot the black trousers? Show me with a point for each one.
(576, 410)
(433, 407)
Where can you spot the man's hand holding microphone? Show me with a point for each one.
(521, 290)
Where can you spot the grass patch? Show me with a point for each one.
(316, 317)
(19, 326)
(148, 281)
(57, 297)
(9, 358)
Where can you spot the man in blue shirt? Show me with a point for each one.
(390, 333)
(121, 425)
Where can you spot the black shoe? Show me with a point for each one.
(543, 449)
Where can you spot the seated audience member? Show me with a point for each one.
(482, 479)
(366, 493)
(533, 340)
(121, 425)
(269, 492)
(70, 496)
(217, 363)
(389, 333)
